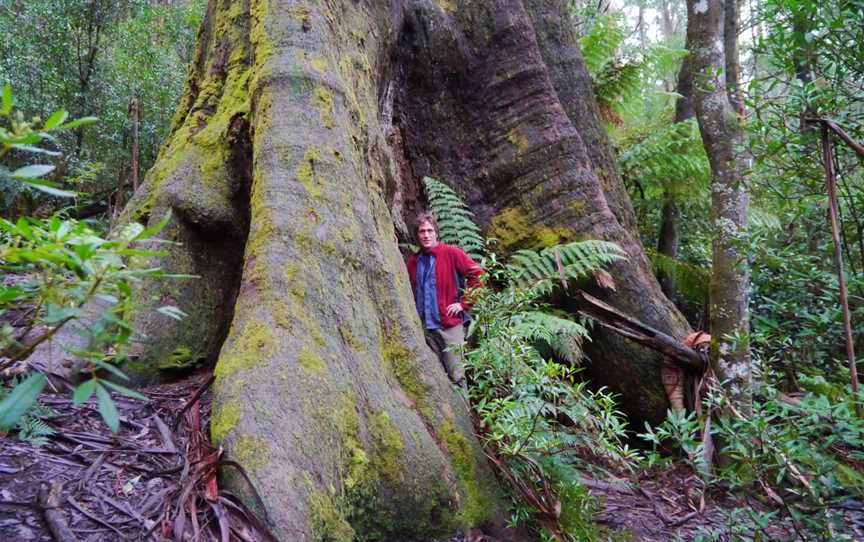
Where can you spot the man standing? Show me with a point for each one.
(437, 272)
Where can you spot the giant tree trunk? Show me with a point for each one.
(723, 139)
(292, 166)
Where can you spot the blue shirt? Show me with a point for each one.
(426, 295)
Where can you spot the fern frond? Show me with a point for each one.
(762, 218)
(578, 260)
(563, 336)
(691, 281)
(34, 430)
(618, 81)
(455, 220)
(601, 42)
(31, 428)
(671, 160)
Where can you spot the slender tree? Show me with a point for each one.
(723, 138)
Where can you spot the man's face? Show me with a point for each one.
(426, 235)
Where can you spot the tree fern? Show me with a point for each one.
(455, 221)
(669, 162)
(571, 261)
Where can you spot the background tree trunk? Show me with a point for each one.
(670, 216)
(731, 26)
(723, 138)
(297, 148)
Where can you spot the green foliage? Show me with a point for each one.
(571, 261)
(64, 270)
(91, 56)
(669, 162)
(810, 61)
(802, 455)
(20, 399)
(19, 410)
(19, 134)
(622, 76)
(691, 281)
(562, 335)
(601, 42)
(61, 270)
(455, 224)
(537, 419)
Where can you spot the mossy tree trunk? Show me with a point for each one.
(291, 169)
(276, 172)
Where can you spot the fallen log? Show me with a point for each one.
(614, 320)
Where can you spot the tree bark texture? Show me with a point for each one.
(723, 138)
(292, 167)
(668, 240)
(731, 29)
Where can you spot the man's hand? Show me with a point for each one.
(455, 309)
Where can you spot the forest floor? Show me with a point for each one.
(130, 485)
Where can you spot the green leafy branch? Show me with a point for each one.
(17, 133)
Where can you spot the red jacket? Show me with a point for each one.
(447, 260)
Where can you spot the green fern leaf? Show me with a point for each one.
(577, 260)
(563, 336)
(455, 224)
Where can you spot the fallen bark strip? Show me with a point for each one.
(194, 399)
(49, 498)
(96, 519)
(628, 326)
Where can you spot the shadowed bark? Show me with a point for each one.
(670, 216)
(292, 166)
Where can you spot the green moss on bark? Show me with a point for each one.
(311, 179)
(225, 418)
(513, 230)
(401, 363)
(478, 507)
(388, 445)
(327, 523)
(323, 101)
(254, 344)
(311, 361)
(251, 452)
